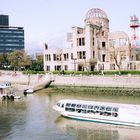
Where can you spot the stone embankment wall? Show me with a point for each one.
(70, 80)
(98, 81)
(19, 78)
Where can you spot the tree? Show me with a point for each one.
(117, 58)
(3, 59)
(26, 61)
(118, 61)
(18, 59)
(37, 64)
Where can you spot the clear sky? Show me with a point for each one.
(50, 20)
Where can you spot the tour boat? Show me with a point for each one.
(6, 91)
(103, 112)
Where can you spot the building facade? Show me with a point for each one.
(11, 38)
(93, 47)
(4, 20)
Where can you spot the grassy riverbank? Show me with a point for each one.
(106, 91)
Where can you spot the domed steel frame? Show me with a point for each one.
(96, 13)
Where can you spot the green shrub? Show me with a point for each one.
(33, 72)
(133, 72)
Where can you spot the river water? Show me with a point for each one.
(32, 118)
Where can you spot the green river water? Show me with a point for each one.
(33, 118)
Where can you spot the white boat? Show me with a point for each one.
(28, 91)
(103, 112)
(43, 82)
(6, 91)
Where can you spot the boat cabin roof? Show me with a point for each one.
(5, 85)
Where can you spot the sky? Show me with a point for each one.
(49, 21)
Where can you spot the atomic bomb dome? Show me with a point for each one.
(96, 13)
(94, 48)
(97, 16)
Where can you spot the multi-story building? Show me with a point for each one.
(11, 38)
(92, 48)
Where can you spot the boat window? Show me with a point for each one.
(115, 109)
(101, 113)
(96, 107)
(102, 108)
(92, 111)
(68, 104)
(69, 109)
(73, 105)
(66, 109)
(62, 105)
(78, 110)
(108, 108)
(84, 111)
(78, 105)
(115, 114)
(90, 106)
(97, 112)
(84, 106)
(72, 109)
(58, 104)
(89, 111)
(107, 114)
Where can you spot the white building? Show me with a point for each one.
(93, 47)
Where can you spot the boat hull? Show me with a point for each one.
(80, 118)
